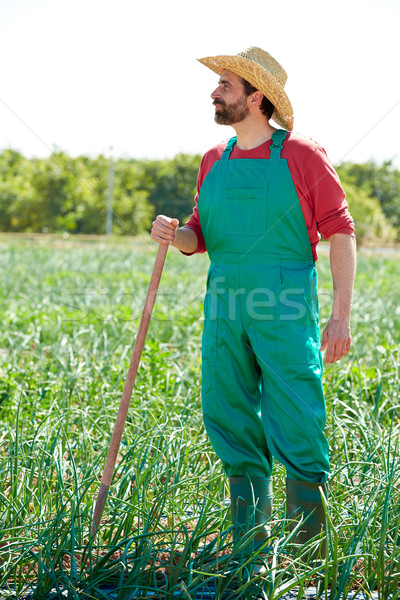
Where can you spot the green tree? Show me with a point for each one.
(61, 193)
(15, 188)
(379, 181)
(371, 224)
(132, 210)
(172, 184)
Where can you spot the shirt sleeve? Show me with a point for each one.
(327, 196)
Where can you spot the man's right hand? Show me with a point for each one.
(164, 230)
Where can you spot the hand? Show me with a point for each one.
(164, 230)
(336, 339)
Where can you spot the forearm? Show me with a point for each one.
(185, 240)
(343, 267)
(336, 338)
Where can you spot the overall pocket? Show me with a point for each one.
(244, 211)
(298, 316)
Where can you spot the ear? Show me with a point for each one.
(256, 99)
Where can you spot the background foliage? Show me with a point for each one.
(64, 194)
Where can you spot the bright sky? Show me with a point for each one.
(87, 75)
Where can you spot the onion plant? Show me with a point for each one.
(69, 313)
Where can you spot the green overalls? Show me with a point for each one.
(261, 392)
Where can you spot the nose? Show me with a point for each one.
(216, 93)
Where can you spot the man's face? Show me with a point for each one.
(230, 100)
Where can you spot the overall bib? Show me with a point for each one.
(261, 374)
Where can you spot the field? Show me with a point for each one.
(70, 311)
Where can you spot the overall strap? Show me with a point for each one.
(276, 146)
(227, 152)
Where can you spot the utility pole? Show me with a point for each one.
(110, 195)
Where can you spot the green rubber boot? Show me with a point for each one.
(251, 506)
(304, 504)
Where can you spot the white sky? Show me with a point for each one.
(87, 75)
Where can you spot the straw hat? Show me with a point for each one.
(264, 73)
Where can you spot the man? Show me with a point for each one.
(263, 200)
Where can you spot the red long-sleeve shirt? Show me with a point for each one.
(321, 196)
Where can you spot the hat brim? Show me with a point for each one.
(261, 79)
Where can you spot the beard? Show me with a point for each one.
(229, 115)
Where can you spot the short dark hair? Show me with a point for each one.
(266, 107)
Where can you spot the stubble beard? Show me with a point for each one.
(229, 115)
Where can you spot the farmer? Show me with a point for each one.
(264, 198)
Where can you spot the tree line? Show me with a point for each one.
(65, 194)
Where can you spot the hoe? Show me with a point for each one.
(128, 387)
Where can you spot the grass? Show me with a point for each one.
(69, 313)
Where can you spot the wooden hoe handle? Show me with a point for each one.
(128, 387)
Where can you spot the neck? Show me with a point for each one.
(251, 134)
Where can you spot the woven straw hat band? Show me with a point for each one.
(264, 73)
